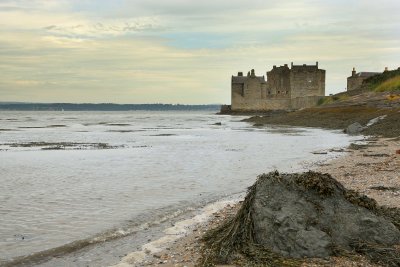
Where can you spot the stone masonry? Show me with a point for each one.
(296, 87)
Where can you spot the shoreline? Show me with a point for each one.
(358, 169)
(193, 227)
(373, 121)
(111, 252)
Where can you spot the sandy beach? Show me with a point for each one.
(370, 167)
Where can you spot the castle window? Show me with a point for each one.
(269, 92)
(287, 92)
(279, 92)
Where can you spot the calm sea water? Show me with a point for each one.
(69, 177)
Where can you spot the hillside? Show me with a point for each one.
(380, 91)
(379, 95)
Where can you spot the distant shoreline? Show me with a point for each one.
(103, 107)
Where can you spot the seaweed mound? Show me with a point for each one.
(287, 217)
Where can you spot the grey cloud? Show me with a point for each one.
(31, 5)
(51, 27)
(107, 28)
(190, 8)
(254, 34)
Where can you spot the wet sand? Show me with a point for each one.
(372, 169)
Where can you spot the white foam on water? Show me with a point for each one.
(179, 230)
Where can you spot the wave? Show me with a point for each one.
(120, 232)
(157, 217)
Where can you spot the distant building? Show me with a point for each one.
(356, 79)
(285, 88)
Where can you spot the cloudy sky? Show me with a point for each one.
(181, 51)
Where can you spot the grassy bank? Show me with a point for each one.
(387, 81)
(391, 84)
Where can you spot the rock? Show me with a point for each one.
(218, 123)
(298, 222)
(319, 152)
(384, 188)
(302, 215)
(376, 155)
(375, 120)
(354, 129)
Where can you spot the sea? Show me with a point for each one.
(87, 188)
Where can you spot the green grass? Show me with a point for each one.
(389, 85)
(330, 99)
(375, 81)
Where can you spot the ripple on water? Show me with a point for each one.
(68, 198)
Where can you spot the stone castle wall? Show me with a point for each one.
(279, 81)
(243, 104)
(275, 104)
(284, 88)
(307, 81)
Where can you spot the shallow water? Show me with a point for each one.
(151, 165)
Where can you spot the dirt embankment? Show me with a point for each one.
(338, 117)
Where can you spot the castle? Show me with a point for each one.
(299, 86)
